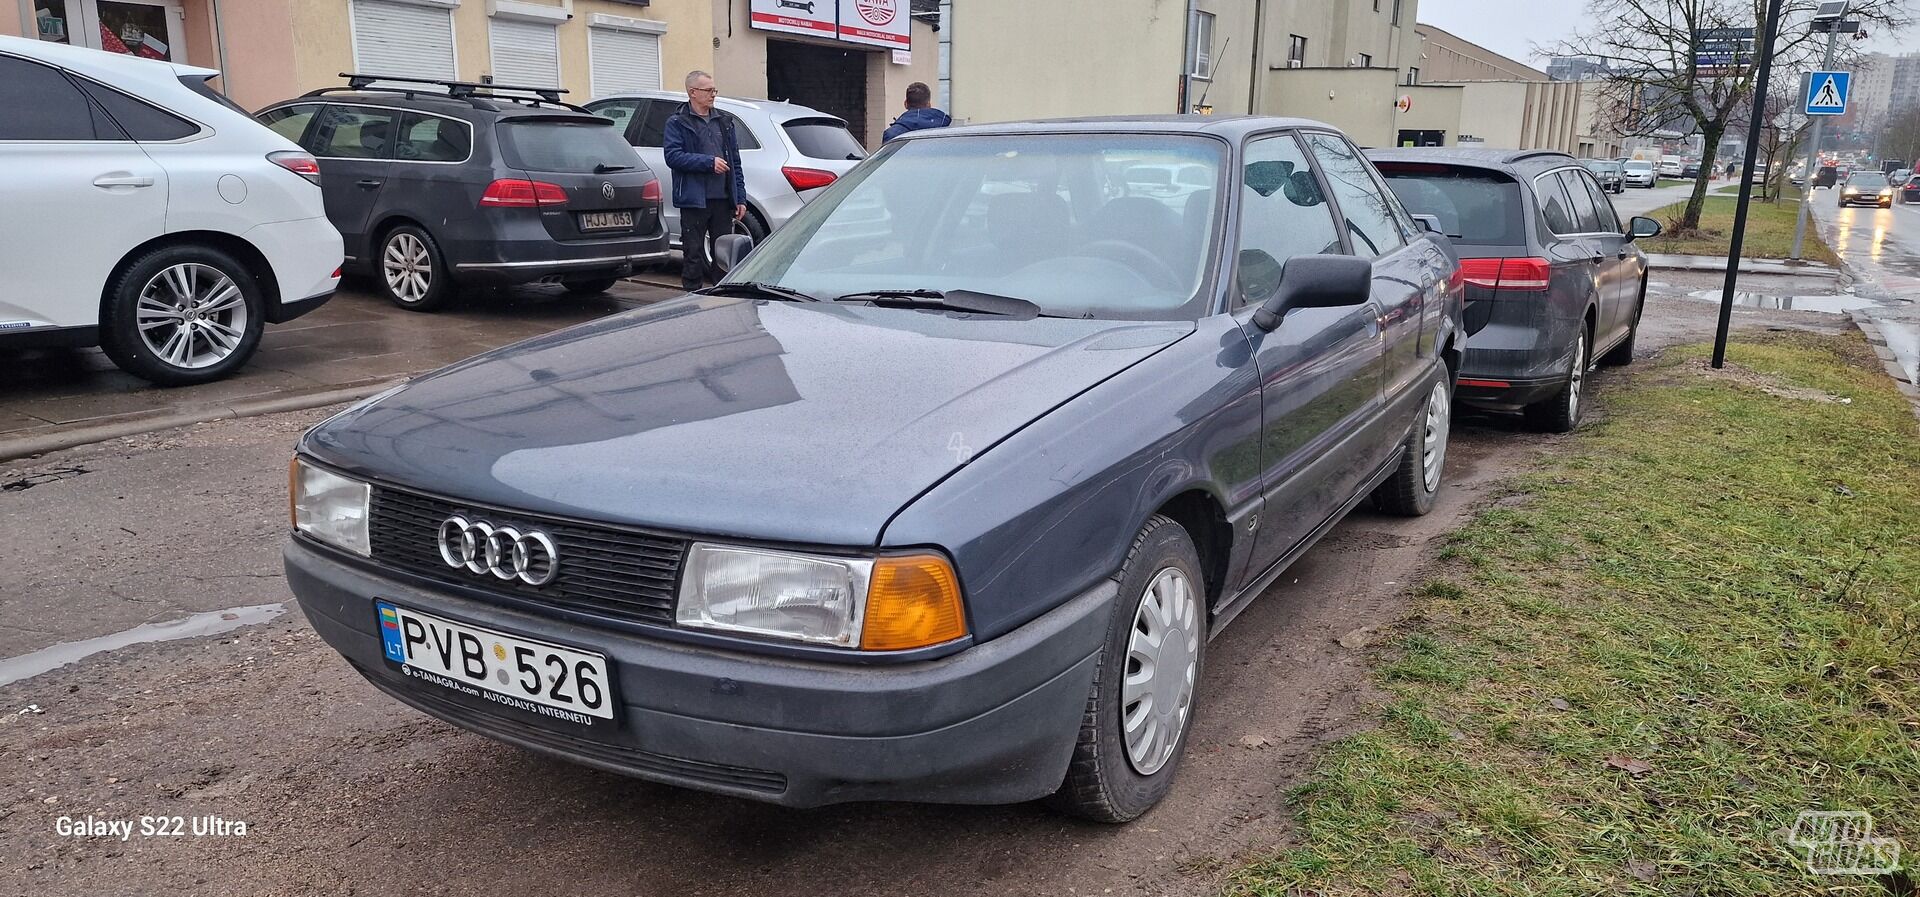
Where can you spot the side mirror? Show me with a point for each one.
(730, 250)
(1316, 281)
(1642, 227)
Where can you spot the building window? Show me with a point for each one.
(1363, 60)
(1296, 51)
(1413, 75)
(403, 39)
(1200, 46)
(623, 54)
(1396, 12)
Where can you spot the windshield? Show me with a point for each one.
(1868, 179)
(563, 145)
(1639, 166)
(1082, 225)
(1601, 167)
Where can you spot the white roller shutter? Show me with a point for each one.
(623, 60)
(525, 54)
(402, 39)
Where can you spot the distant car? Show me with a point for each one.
(1638, 173)
(1827, 176)
(1553, 280)
(1758, 172)
(441, 184)
(1690, 169)
(1867, 188)
(142, 212)
(1671, 168)
(1910, 190)
(790, 152)
(934, 513)
(1608, 173)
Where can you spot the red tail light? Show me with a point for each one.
(650, 192)
(523, 194)
(297, 162)
(808, 178)
(1525, 275)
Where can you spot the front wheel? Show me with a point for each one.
(182, 315)
(1415, 485)
(1560, 412)
(1141, 707)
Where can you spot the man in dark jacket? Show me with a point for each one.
(920, 114)
(704, 154)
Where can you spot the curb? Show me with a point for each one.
(1878, 341)
(25, 446)
(1660, 262)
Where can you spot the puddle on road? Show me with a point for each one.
(14, 669)
(1830, 304)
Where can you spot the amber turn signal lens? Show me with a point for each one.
(912, 601)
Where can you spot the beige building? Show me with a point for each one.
(269, 50)
(1445, 56)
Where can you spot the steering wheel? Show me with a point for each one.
(1146, 264)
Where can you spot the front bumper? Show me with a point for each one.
(995, 723)
(1866, 199)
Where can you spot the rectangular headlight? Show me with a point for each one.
(330, 507)
(755, 591)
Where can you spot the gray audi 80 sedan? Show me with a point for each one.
(946, 512)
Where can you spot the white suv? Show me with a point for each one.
(146, 214)
(790, 152)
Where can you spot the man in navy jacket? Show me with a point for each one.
(704, 153)
(920, 114)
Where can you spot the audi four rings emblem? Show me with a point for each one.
(477, 546)
(606, 189)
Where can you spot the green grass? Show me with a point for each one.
(1671, 182)
(1769, 231)
(1722, 580)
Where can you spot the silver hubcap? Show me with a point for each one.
(408, 270)
(1578, 378)
(1163, 655)
(191, 315)
(1433, 445)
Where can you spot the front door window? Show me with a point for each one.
(149, 28)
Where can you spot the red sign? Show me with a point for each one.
(876, 12)
(880, 23)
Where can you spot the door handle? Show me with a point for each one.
(1598, 258)
(369, 183)
(1623, 254)
(107, 180)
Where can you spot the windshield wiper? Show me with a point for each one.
(603, 168)
(951, 300)
(758, 289)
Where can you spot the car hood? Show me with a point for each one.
(801, 422)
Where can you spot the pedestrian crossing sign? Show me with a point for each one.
(1827, 93)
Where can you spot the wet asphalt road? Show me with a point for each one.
(1881, 249)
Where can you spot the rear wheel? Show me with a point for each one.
(1141, 708)
(1560, 412)
(590, 286)
(412, 272)
(1415, 484)
(181, 315)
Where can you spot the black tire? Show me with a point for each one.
(1560, 412)
(590, 286)
(120, 317)
(1622, 355)
(1414, 488)
(427, 263)
(1102, 783)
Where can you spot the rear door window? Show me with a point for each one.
(291, 122)
(1372, 228)
(1555, 207)
(578, 146)
(140, 120)
(430, 138)
(1608, 222)
(824, 138)
(653, 124)
(1475, 206)
(355, 132)
(1586, 218)
(37, 102)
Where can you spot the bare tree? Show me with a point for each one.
(1900, 138)
(1655, 82)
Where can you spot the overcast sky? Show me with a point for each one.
(1513, 27)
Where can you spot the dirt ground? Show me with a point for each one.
(343, 791)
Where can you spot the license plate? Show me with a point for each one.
(606, 220)
(513, 671)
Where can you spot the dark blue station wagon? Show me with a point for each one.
(945, 511)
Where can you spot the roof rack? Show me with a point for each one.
(471, 91)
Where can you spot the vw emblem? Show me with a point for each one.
(477, 546)
(606, 189)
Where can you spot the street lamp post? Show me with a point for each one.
(1813, 141)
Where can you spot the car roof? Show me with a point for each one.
(1500, 160)
(1228, 126)
(427, 100)
(99, 64)
(778, 110)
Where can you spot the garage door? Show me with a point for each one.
(402, 39)
(623, 60)
(525, 54)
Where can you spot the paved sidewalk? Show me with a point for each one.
(354, 345)
(1660, 261)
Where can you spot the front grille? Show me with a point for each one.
(607, 572)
